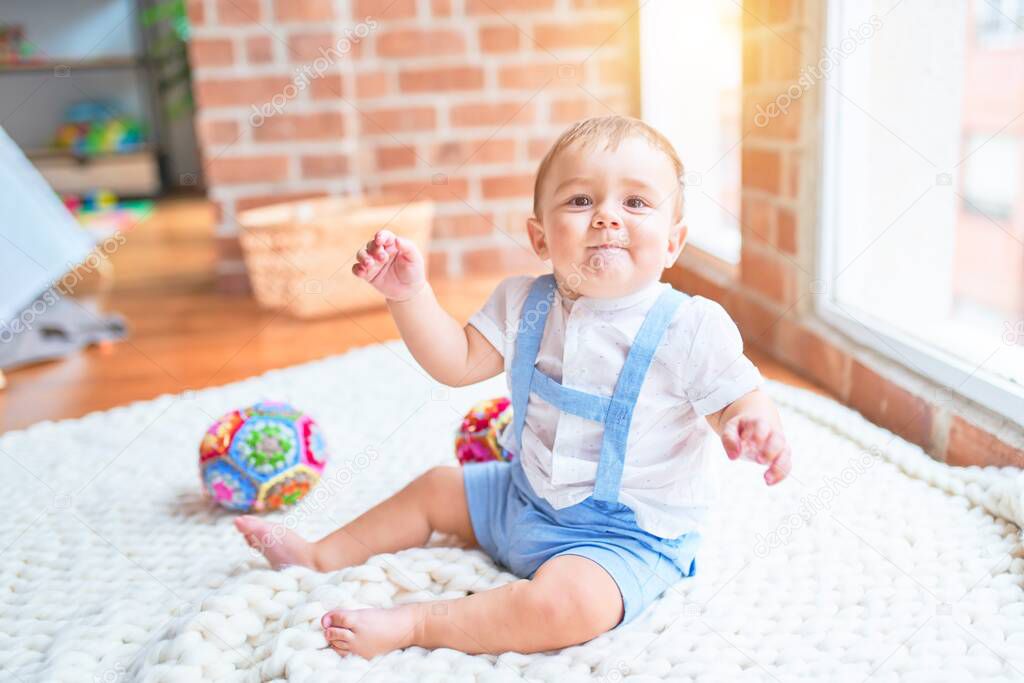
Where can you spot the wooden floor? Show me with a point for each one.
(184, 335)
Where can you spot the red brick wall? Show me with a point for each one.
(771, 296)
(448, 99)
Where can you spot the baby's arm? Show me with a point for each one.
(750, 427)
(453, 354)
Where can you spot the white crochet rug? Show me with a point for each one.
(871, 561)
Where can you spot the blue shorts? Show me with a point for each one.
(520, 530)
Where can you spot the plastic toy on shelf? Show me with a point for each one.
(95, 127)
(14, 49)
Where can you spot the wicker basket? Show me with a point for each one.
(300, 254)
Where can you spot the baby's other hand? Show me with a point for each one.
(753, 438)
(392, 264)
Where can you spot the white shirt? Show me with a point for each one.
(670, 476)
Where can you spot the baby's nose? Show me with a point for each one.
(604, 220)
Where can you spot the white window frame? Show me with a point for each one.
(953, 374)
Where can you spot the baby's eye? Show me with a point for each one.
(636, 202)
(580, 200)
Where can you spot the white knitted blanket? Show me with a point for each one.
(871, 560)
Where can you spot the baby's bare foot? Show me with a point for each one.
(282, 547)
(369, 632)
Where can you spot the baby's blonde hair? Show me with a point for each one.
(611, 130)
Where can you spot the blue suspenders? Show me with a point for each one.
(616, 411)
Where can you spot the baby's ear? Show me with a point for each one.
(537, 237)
(676, 242)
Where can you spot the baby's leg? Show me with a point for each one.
(434, 501)
(570, 600)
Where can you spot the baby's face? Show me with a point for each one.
(608, 219)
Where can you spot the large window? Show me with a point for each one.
(922, 255)
(691, 70)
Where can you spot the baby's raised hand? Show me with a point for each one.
(755, 439)
(392, 264)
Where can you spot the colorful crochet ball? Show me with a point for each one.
(477, 437)
(263, 457)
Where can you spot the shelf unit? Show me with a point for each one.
(139, 172)
(88, 64)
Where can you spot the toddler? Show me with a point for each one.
(625, 393)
